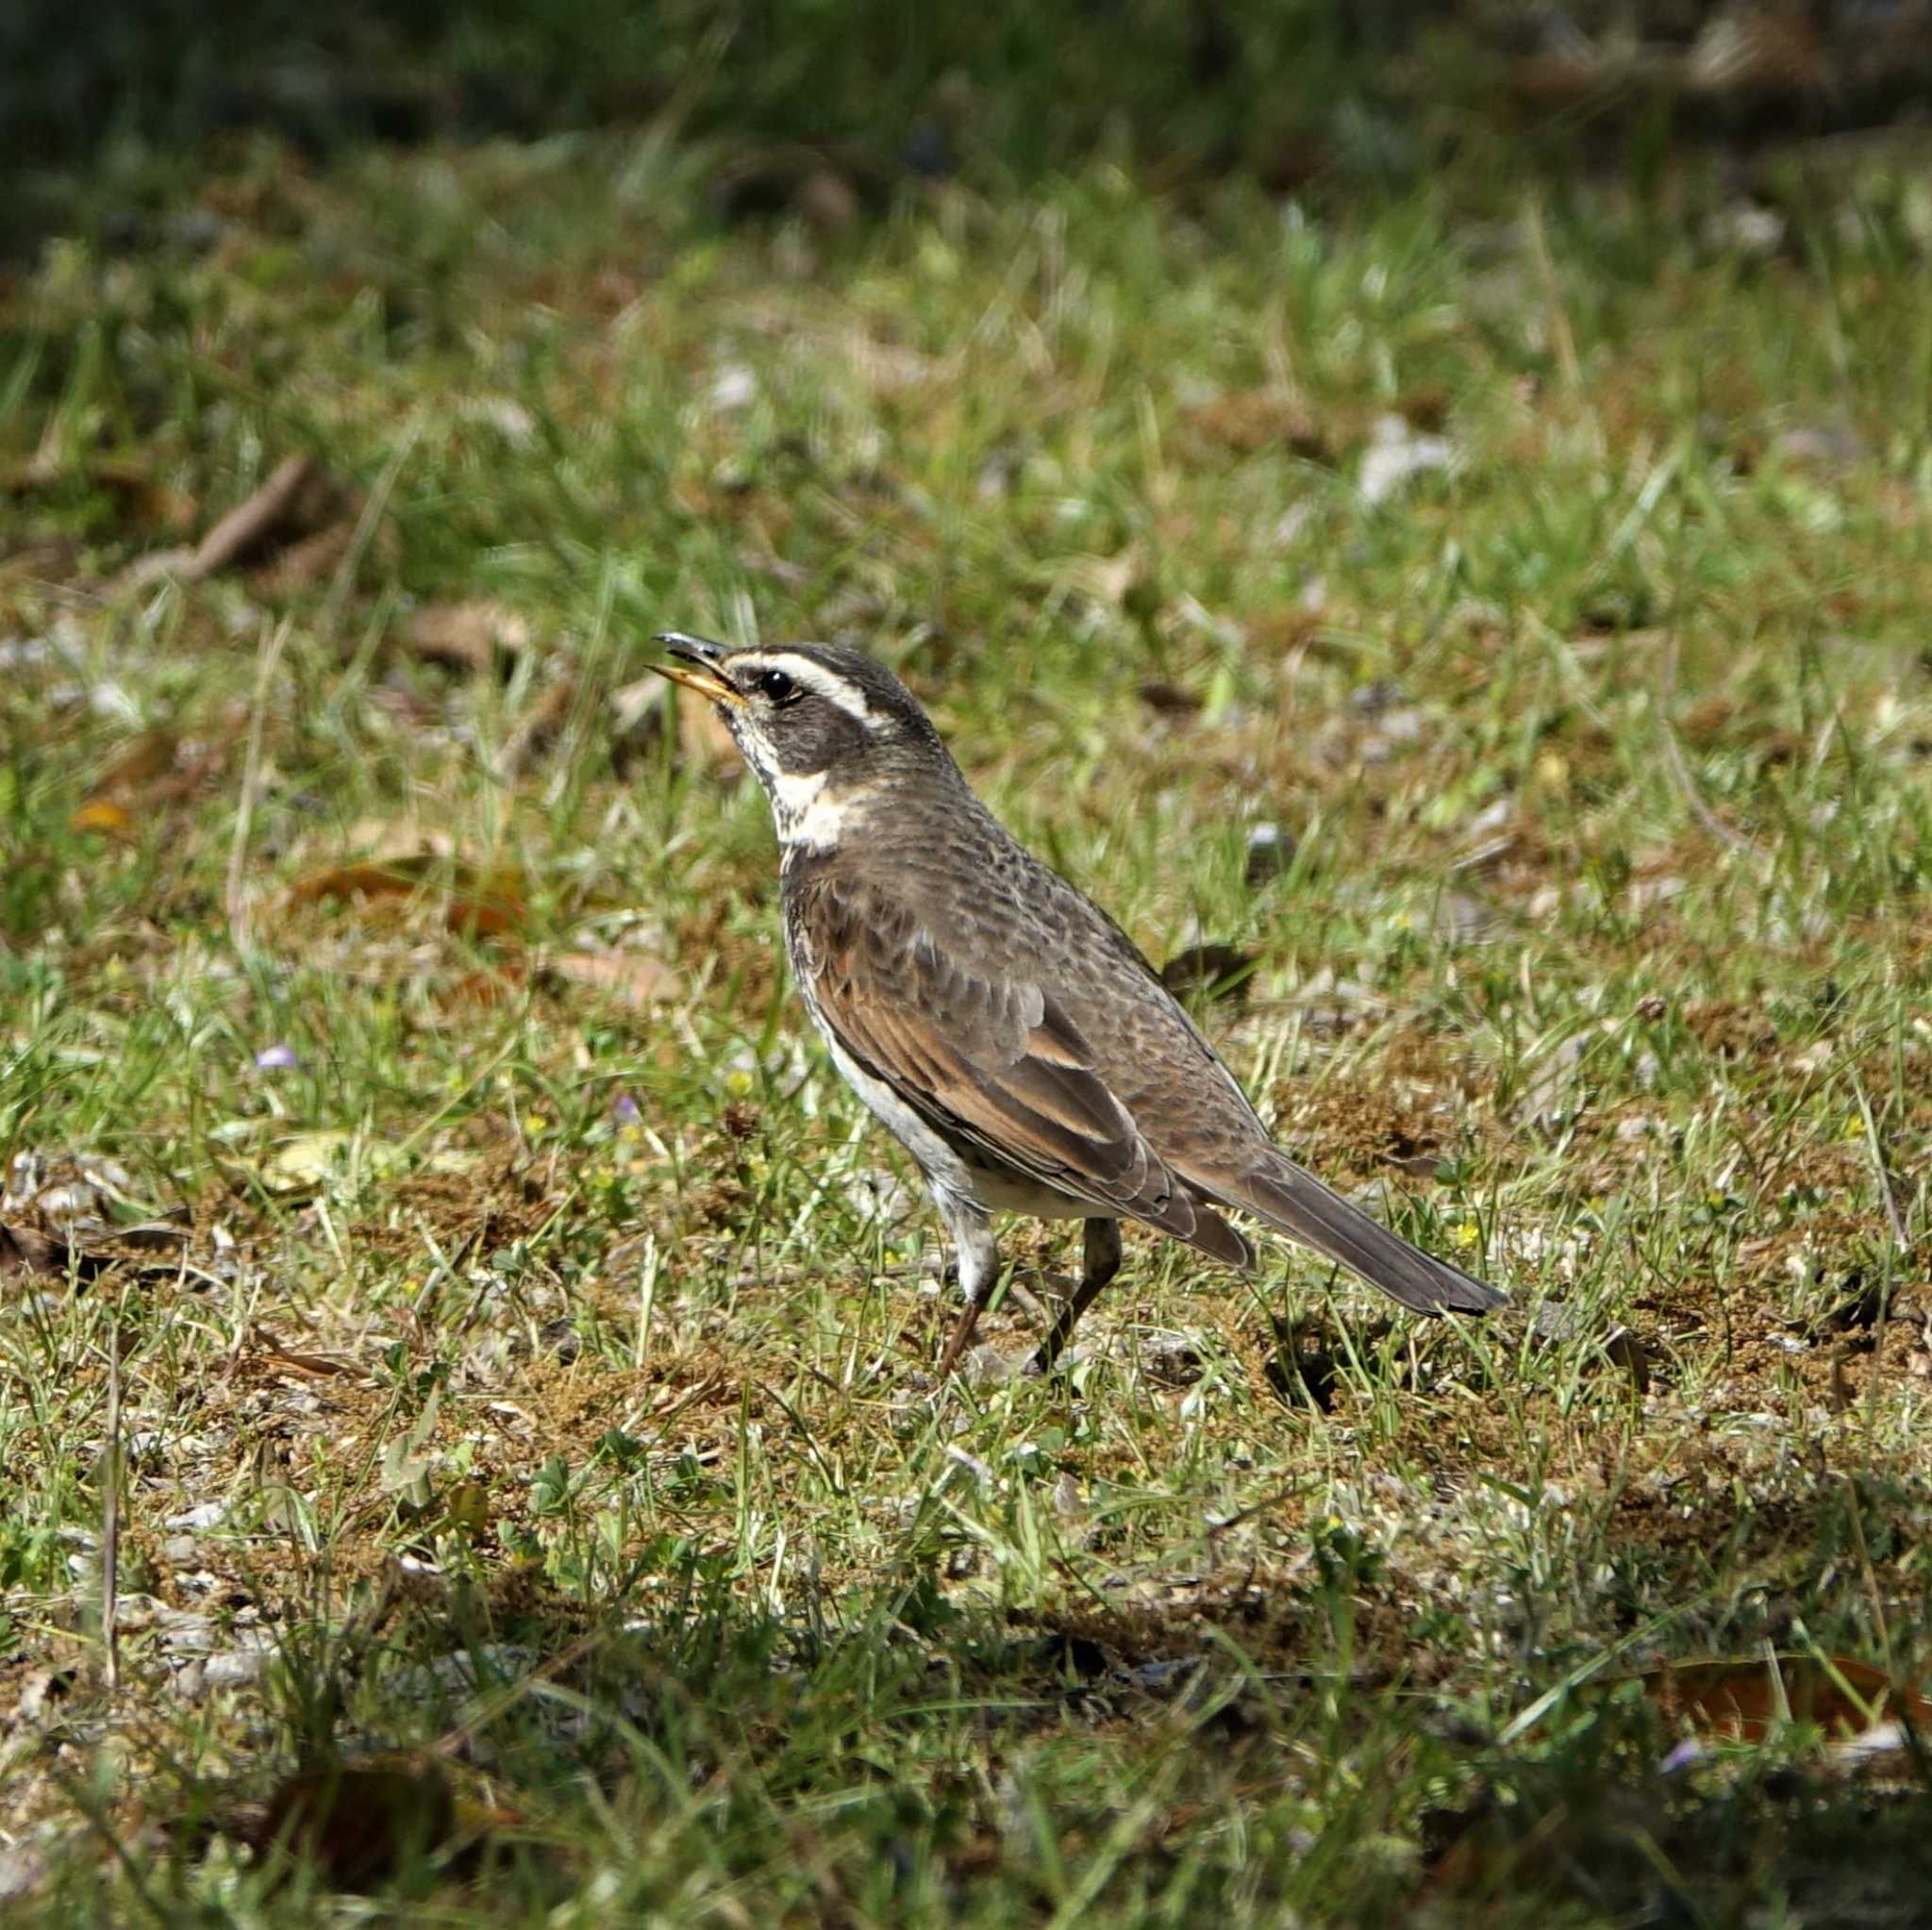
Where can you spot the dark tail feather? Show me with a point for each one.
(1214, 1235)
(1305, 1209)
(1188, 1216)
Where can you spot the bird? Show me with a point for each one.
(996, 1020)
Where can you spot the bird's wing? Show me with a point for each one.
(987, 1058)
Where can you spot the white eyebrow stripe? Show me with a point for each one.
(819, 681)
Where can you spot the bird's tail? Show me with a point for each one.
(1301, 1206)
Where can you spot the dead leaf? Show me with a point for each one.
(1212, 970)
(251, 523)
(152, 501)
(540, 726)
(147, 757)
(1747, 1701)
(484, 902)
(317, 1364)
(86, 1250)
(306, 563)
(131, 477)
(300, 1165)
(1621, 1348)
(35, 1255)
(301, 510)
(507, 975)
(466, 636)
(53, 561)
(148, 772)
(703, 740)
(1169, 699)
(103, 814)
(359, 1824)
(637, 979)
(1260, 419)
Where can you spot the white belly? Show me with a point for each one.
(946, 1173)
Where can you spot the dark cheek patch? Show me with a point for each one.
(814, 735)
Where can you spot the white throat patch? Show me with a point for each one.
(806, 818)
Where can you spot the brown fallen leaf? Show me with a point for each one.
(486, 901)
(32, 1253)
(1621, 1348)
(251, 522)
(53, 561)
(540, 726)
(299, 522)
(359, 1825)
(103, 815)
(1261, 418)
(151, 500)
(1169, 699)
(1746, 1700)
(466, 636)
(629, 978)
(639, 710)
(505, 976)
(1209, 970)
(307, 560)
(704, 739)
(131, 477)
(317, 1364)
(28, 1252)
(149, 771)
(141, 761)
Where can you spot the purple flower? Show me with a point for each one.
(277, 1058)
(624, 1111)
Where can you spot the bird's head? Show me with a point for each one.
(825, 729)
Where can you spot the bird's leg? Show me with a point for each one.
(1100, 1260)
(979, 1271)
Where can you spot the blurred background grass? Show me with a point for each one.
(1224, 83)
(1285, 91)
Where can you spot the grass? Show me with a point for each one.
(525, 1430)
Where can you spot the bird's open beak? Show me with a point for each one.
(696, 666)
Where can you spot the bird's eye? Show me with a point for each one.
(776, 687)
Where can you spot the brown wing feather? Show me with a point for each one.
(990, 1063)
